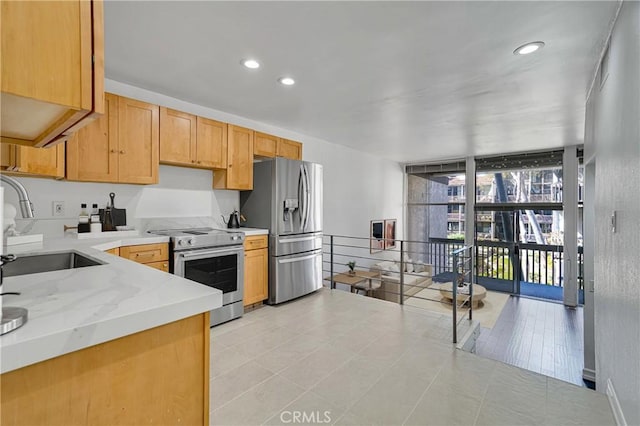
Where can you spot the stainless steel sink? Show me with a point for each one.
(34, 264)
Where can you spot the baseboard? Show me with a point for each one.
(589, 374)
(615, 404)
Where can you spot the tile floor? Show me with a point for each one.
(338, 358)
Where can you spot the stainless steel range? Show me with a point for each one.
(211, 257)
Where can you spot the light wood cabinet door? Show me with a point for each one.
(239, 171)
(40, 161)
(161, 266)
(92, 152)
(254, 242)
(36, 162)
(146, 253)
(265, 145)
(138, 141)
(157, 376)
(256, 276)
(177, 137)
(211, 144)
(52, 67)
(7, 160)
(115, 251)
(289, 149)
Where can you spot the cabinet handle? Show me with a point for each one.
(145, 254)
(193, 161)
(199, 162)
(122, 151)
(113, 151)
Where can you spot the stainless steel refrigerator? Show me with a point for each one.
(287, 199)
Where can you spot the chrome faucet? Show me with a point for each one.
(26, 207)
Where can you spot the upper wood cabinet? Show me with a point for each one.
(92, 152)
(289, 149)
(239, 171)
(177, 137)
(211, 144)
(52, 63)
(188, 140)
(265, 145)
(121, 147)
(138, 141)
(24, 160)
(272, 146)
(6, 159)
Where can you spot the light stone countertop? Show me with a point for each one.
(253, 231)
(73, 309)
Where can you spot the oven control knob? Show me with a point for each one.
(190, 241)
(180, 242)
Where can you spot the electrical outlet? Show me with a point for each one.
(58, 208)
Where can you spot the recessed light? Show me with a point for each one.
(525, 49)
(287, 81)
(251, 63)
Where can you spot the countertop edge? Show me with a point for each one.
(48, 347)
(28, 350)
(253, 231)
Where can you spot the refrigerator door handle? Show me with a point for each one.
(299, 259)
(303, 200)
(308, 200)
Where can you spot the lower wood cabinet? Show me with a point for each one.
(28, 161)
(153, 255)
(256, 272)
(163, 266)
(157, 376)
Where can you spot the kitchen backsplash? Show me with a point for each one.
(181, 193)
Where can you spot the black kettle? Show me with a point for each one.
(234, 220)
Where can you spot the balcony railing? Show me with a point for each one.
(539, 263)
(400, 274)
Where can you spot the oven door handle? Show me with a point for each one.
(207, 253)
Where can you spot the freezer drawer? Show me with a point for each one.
(294, 276)
(292, 244)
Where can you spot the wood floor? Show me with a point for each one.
(539, 336)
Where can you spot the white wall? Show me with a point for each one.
(358, 187)
(181, 192)
(613, 134)
(589, 370)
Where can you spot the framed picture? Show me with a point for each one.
(389, 234)
(376, 237)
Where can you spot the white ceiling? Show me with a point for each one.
(409, 81)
